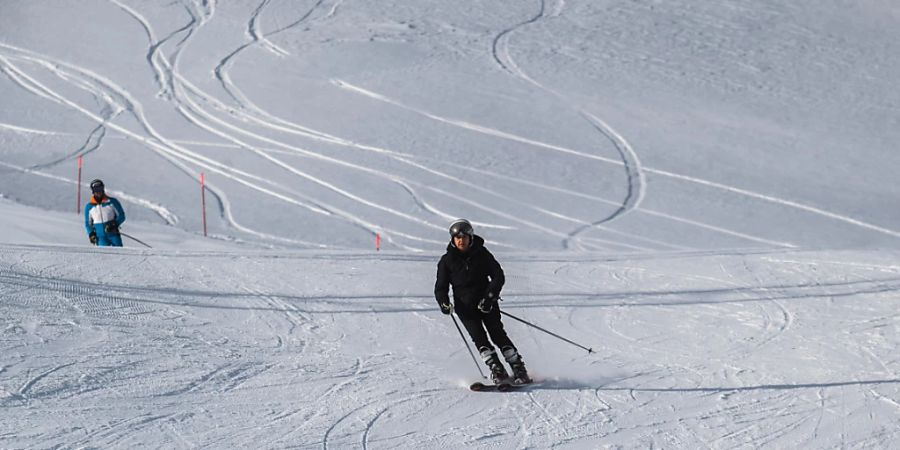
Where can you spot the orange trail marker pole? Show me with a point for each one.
(78, 196)
(203, 200)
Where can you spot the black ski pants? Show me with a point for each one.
(477, 323)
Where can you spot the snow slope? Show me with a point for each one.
(702, 191)
(263, 349)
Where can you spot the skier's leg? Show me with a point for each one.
(475, 327)
(510, 353)
(512, 356)
(498, 372)
(115, 240)
(495, 329)
(476, 331)
(103, 240)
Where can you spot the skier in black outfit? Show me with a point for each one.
(477, 279)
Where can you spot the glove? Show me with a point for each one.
(486, 305)
(111, 227)
(446, 308)
(488, 302)
(93, 237)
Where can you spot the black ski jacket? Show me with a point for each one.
(473, 275)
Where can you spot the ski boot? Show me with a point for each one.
(498, 372)
(520, 374)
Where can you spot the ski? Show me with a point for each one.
(503, 386)
(481, 387)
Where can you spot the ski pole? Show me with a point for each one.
(545, 331)
(466, 343)
(135, 239)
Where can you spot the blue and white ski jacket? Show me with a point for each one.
(96, 214)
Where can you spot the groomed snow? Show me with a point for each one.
(704, 192)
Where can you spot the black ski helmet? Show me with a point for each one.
(461, 226)
(97, 185)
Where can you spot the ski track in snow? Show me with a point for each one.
(636, 185)
(251, 112)
(162, 211)
(726, 384)
(25, 130)
(263, 118)
(720, 348)
(167, 75)
(92, 143)
(169, 150)
(195, 114)
(634, 168)
(556, 148)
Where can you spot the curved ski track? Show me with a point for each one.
(192, 111)
(634, 169)
(636, 186)
(183, 90)
(178, 90)
(551, 147)
(629, 158)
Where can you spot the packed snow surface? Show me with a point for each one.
(701, 191)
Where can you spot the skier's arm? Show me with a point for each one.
(497, 277)
(120, 213)
(442, 284)
(88, 226)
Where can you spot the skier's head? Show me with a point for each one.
(461, 232)
(97, 188)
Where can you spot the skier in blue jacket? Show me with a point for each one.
(102, 217)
